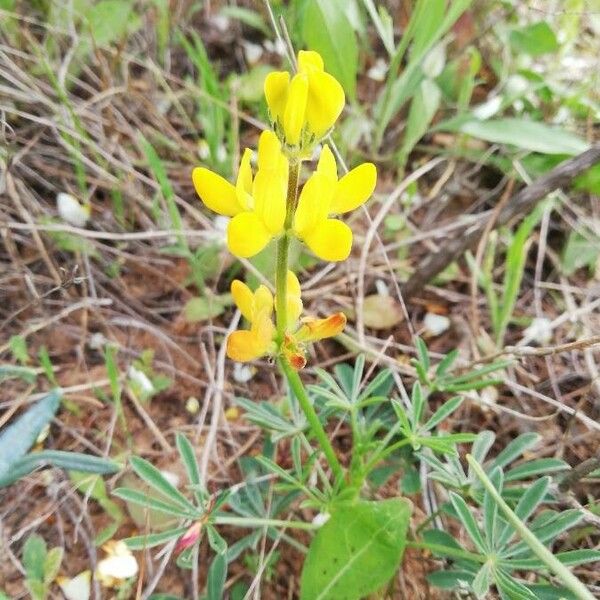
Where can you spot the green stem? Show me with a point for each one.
(258, 522)
(291, 375)
(295, 383)
(552, 563)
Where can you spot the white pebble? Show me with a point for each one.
(436, 324)
(71, 211)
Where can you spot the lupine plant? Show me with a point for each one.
(356, 544)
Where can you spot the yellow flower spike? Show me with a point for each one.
(311, 101)
(329, 239)
(313, 329)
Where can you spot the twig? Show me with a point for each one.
(520, 205)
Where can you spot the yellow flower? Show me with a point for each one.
(257, 205)
(257, 308)
(305, 107)
(324, 195)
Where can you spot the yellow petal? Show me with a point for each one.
(318, 329)
(331, 240)
(276, 93)
(270, 199)
(244, 346)
(249, 345)
(269, 150)
(354, 188)
(313, 205)
(247, 235)
(295, 109)
(309, 60)
(327, 164)
(243, 185)
(293, 300)
(216, 193)
(325, 102)
(263, 301)
(293, 285)
(243, 298)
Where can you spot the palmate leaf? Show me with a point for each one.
(357, 551)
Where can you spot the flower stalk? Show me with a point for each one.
(287, 370)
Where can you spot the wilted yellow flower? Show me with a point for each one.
(305, 107)
(257, 307)
(257, 205)
(324, 195)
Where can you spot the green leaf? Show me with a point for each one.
(536, 467)
(18, 348)
(72, 461)
(357, 551)
(154, 478)
(141, 542)
(206, 307)
(52, 564)
(137, 497)
(443, 411)
(109, 20)
(423, 107)
(524, 134)
(580, 251)
(515, 448)
(328, 31)
(27, 374)
(449, 579)
(483, 580)
(534, 39)
(186, 451)
(17, 438)
(217, 574)
(468, 520)
(34, 555)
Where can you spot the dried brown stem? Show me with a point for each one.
(520, 205)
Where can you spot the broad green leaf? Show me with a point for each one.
(534, 39)
(206, 307)
(327, 30)
(18, 348)
(16, 439)
(109, 20)
(357, 551)
(34, 555)
(154, 478)
(524, 134)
